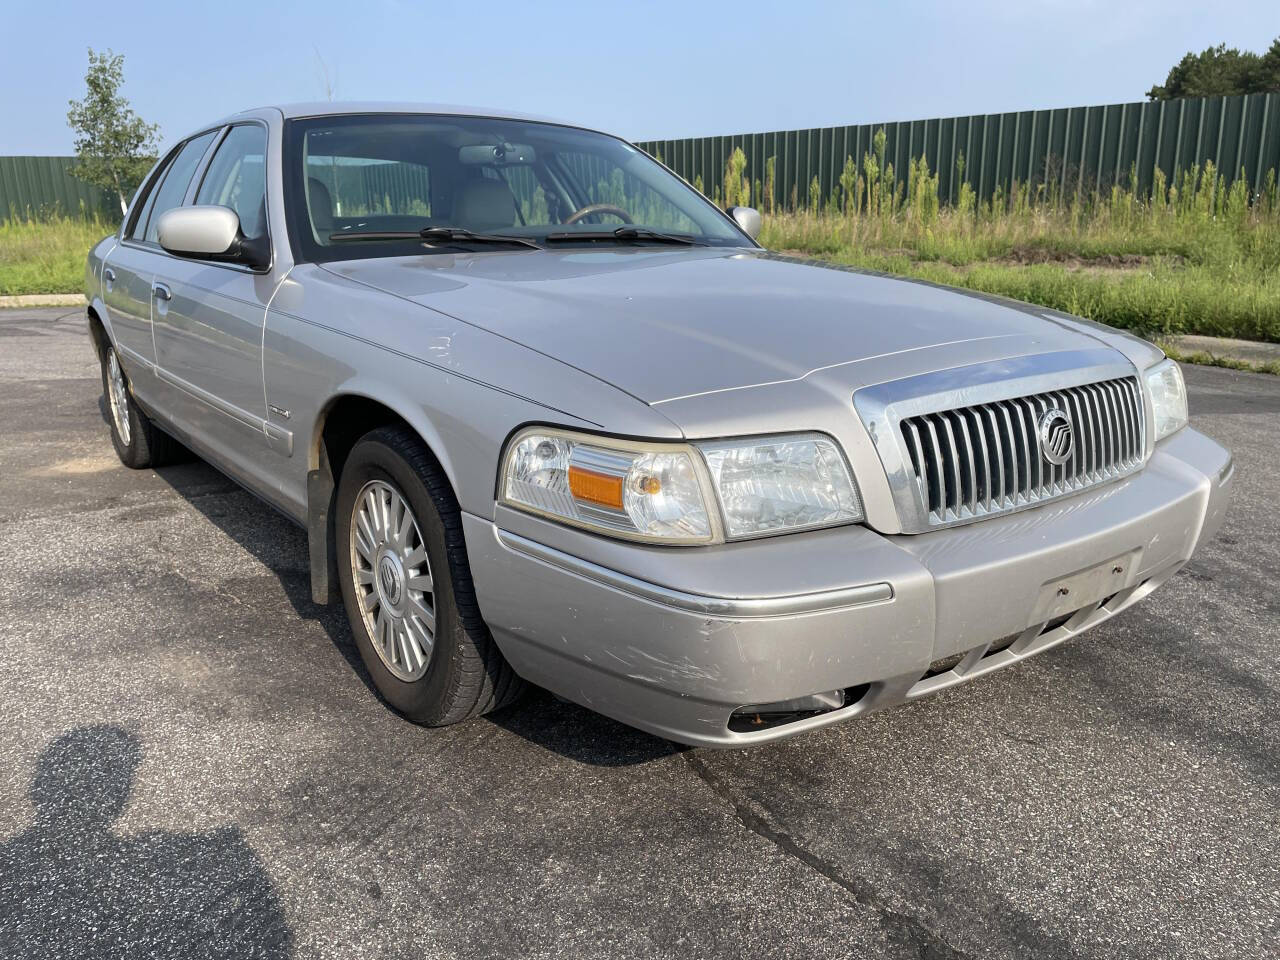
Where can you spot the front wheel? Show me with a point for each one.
(402, 566)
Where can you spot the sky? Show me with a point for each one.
(643, 70)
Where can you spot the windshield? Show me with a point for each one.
(359, 186)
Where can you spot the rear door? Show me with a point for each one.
(129, 273)
(208, 318)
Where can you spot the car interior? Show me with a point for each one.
(403, 176)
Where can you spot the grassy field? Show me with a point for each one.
(1154, 277)
(1191, 256)
(1196, 258)
(47, 256)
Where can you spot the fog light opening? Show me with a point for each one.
(1004, 643)
(944, 664)
(1057, 622)
(764, 716)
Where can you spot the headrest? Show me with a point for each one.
(321, 204)
(484, 205)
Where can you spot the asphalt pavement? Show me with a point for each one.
(193, 762)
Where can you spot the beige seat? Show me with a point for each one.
(484, 205)
(321, 204)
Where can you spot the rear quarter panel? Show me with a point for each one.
(93, 278)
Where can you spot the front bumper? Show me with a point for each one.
(674, 640)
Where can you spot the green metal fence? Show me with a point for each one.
(41, 186)
(1073, 149)
(1076, 149)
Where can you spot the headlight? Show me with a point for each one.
(1168, 398)
(638, 491)
(661, 492)
(777, 484)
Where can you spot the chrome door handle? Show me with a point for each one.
(161, 292)
(109, 275)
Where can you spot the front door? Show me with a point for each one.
(208, 317)
(129, 272)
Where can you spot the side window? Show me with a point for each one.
(138, 225)
(237, 178)
(172, 188)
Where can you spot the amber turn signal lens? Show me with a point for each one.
(595, 487)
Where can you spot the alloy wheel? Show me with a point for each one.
(393, 583)
(118, 396)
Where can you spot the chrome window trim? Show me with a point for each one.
(882, 407)
(150, 182)
(197, 178)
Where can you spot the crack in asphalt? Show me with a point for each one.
(38, 321)
(903, 929)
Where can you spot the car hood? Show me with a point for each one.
(662, 324)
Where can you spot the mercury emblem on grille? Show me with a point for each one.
(1057, 437)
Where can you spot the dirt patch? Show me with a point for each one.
(1030, 256)
(78, 466)
(42, 300)
(1111, 263)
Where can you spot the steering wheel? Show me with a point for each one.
(591, 208)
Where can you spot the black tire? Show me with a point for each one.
(146, 445)
(465, 674)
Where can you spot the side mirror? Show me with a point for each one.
(747, 219)
(210, 233)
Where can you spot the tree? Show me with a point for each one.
(114, 146)
(1221, 71)
(1269, 67)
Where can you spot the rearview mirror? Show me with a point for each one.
(210, 233)
(483, 154)
(747, 219)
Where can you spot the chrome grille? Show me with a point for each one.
(979, 460)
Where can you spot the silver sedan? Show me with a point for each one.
(548, 415)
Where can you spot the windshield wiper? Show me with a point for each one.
(432, 236)
(352, 236)
(623, 235)
(463, 235)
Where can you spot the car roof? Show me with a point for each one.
(292, 111)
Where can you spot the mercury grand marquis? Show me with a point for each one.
(549, 416)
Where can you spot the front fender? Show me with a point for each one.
(394, 396)
(322, 478)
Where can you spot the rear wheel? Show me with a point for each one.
(139, 443)
(402, 565)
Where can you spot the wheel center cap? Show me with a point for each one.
(390, 579)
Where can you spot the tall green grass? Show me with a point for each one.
(1163, 276)
(47, 255)
(1193, 255)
